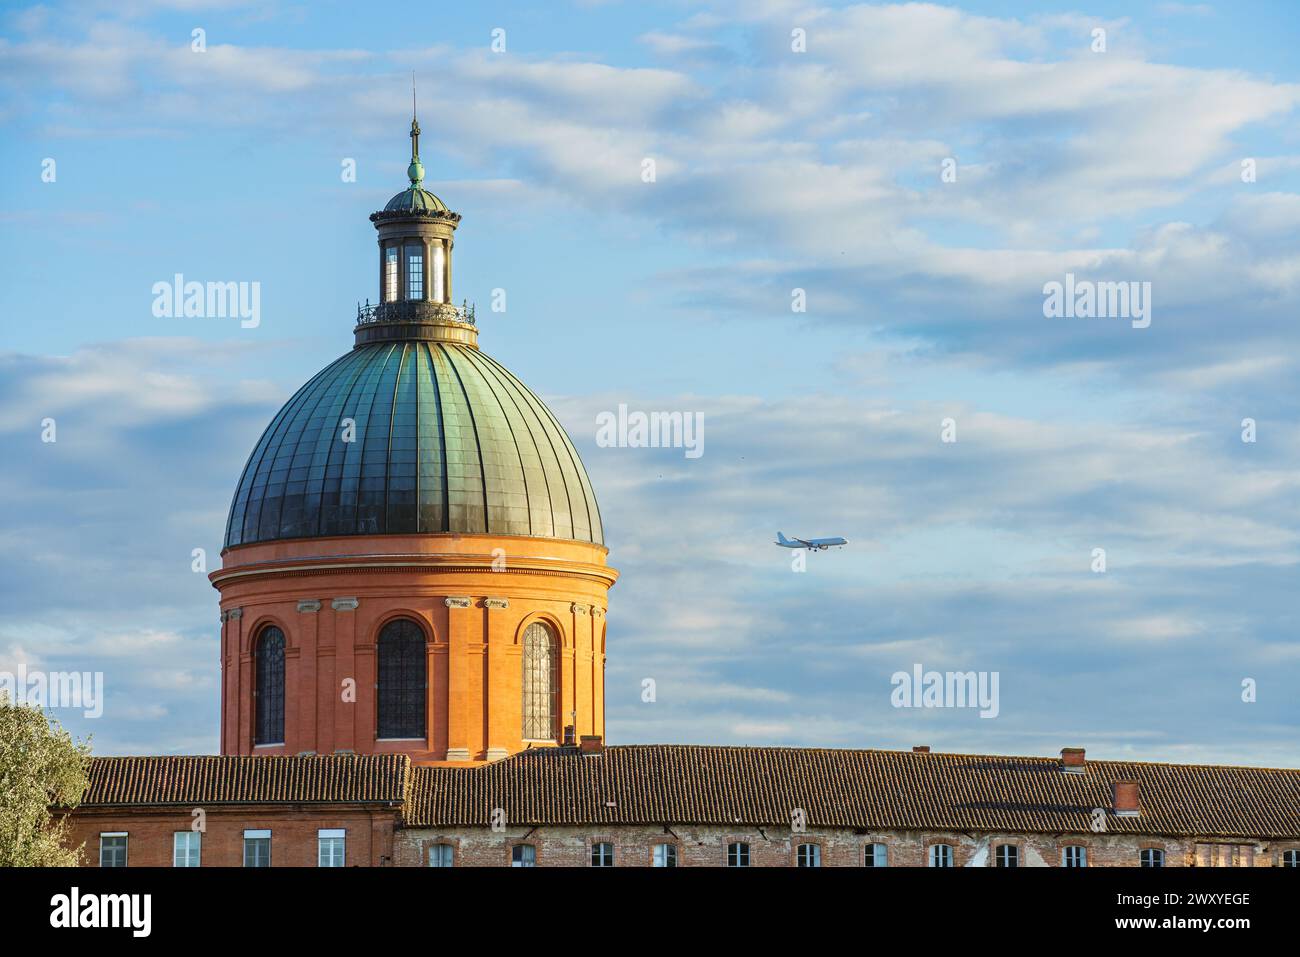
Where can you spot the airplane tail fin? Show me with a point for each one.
(781, 539)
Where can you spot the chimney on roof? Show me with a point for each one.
(1128, 801)
(1073, 760)
(921, 749)
(569, 733)
(590, 744)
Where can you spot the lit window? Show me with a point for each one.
(401, 693)
(440, 855)
(112, 849)
(1152, 857)
(1291, 858)
(602, 855)
(257, 848)
(390, 273)
(808, 855)
(737, 855)
(665, 855)
(1074, 855)
(329, 847)
(414, 272)
(523, 855)
(185, 848)
(1008, 855)
(874, 855)
(541, 683)
(941, 855)
(268, 724)
(438, 270)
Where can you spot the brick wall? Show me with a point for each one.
(369, 840)
(775, 847)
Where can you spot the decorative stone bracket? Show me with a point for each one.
(309, 605)
(496, 603)
(233, 614)
(345, 604)
(457, 602)
(579, 609)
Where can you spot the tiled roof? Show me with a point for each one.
(206, 780)
(665, 784)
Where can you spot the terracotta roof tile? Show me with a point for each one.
(353, 779)
(662, 784)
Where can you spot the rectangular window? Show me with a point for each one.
(602, 855)
(737, 855)
(185, 848)
(1074, 856)
(665, 855)
(414, 272)
(1008, 855)
(390, 273)
(875, 855)
(257, 848)
(523, 855)
(112, 849)
(329, 847)
(808, 855)
(440, 855)
(941, 855)
(437, 269)
(1291, 858)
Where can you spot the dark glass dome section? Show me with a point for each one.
(447, 440)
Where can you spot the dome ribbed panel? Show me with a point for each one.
(446, 440)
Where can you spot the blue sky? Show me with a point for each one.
(776, 170)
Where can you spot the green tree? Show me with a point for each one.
(40, 767)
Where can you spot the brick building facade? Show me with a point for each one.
(686, 806)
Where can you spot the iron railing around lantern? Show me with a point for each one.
(414, 310)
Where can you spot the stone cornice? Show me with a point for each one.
(439, 564)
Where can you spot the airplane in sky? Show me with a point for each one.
(812, 544)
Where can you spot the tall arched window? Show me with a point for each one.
(541, 683)
(402, 683)
(268, 725)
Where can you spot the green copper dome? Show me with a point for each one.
(415, 199)
(446, 440)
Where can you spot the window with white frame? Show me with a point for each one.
(1007, 855)
(523, 855)
(330, 844)
(808, 855)
(441, 855)
(737, 854)
(941, 855)
(602, 855)
(1291, 858)
(875, 855)
(1152, 857)
(185, 848)
(112, 849)
(1074, 855)
(665, 855)
(414, 271)
(257, 848)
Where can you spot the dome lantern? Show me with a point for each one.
(415, 243)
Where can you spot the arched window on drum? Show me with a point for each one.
(268, 721)
(401, 693)
(541, 683)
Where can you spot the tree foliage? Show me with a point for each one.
(41, 767)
